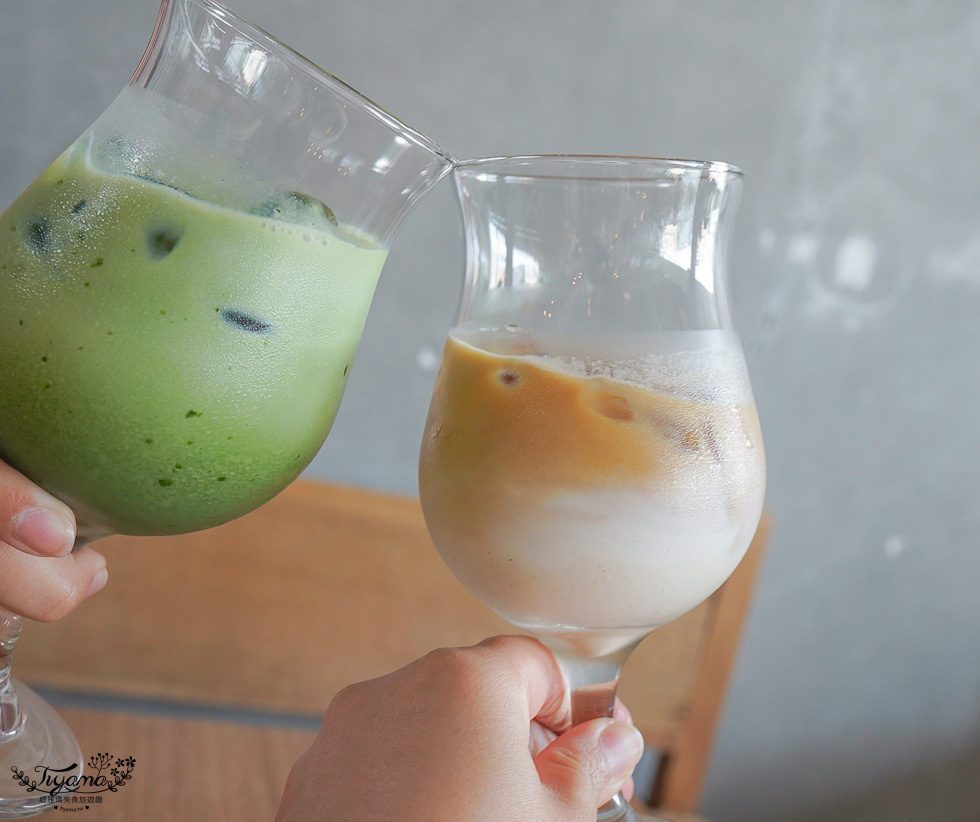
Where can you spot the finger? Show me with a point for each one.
(591, 762)
(539, 675)
(621, 712)
(541, 738)
(48, 588)
(32, 520)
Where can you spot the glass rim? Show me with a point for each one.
(549, 166)
(307, 67)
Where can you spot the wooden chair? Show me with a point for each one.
(210, 657)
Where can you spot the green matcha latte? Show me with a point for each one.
(167, 364)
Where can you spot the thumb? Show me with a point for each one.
(590, 763)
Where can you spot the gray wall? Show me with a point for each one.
(857, 263)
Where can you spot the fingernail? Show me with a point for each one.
(98, 582)
(623, 747)
(44, 531)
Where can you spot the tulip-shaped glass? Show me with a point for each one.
(592, 465)
(181, 296)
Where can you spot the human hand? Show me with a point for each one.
(40, 577)
(450, 738)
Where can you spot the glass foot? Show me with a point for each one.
(618, 809)
(43, 749)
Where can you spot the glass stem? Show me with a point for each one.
(593, 682)
(11, 717)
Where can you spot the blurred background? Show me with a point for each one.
(856, 265)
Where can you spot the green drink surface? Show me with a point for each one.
(167, 364)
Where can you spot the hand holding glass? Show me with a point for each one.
(181, 296)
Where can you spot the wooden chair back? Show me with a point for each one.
(328, 585)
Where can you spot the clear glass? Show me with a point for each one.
(592, 465)
(182, 293)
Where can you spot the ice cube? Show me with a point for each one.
(244, 321)
(119, 154)
(299, 209)
(126, 154)
(162, 240)
(38, 235)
